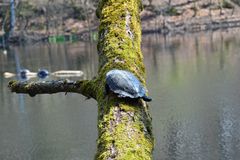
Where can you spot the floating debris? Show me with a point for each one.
(68, 73)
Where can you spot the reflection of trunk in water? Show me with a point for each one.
(63, 55)
(23, 119)
(222, 54)
(212, 43)
(92, 65)
(87, 62)
(18, 68)
(155, 48)
(88, 71)
(175, 70)
(50, 58)
(171, 47)
(153, 53)
(66, 55)
(198, 58)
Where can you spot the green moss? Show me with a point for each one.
(122, 125)
(87, 87)
(12, 83)
(118, 44)
(128, 136)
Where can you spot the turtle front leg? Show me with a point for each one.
(107, 89)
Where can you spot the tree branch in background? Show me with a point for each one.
(84, 87)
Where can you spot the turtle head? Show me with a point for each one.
(146, 98)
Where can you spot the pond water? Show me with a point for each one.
(193, 80)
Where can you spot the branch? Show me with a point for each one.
(84, 87)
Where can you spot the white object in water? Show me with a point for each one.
(8, 75)
(31, 74)
(5, 52)
(68, 73)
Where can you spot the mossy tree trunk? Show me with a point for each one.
(124, 125)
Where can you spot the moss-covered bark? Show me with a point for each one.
(124, 126)
(84, 87)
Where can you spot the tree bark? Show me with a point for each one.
(124, 125)
(49, 87)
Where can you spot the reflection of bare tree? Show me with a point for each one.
(197, 53)
(173, 47)
(50, 58)
(153, 50)
(66, 55)
(222, 54)
(93, 68)
(212, 43)
(165, 41)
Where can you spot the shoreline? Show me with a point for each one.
(182, 18)
(172, 29)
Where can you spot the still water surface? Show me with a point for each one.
(193, 79)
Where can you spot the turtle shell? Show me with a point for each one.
(23, 73)
(42, 73)
(125, 84)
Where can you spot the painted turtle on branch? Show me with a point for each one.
(125, 84)
(42, 73)
(23, 73)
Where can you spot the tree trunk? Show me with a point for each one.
(124, 125)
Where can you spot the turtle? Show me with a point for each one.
(125, 84)
(23, 73)
(42, 73)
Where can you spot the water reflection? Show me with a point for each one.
(47, 127)
(196, 95)
(193, 79)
